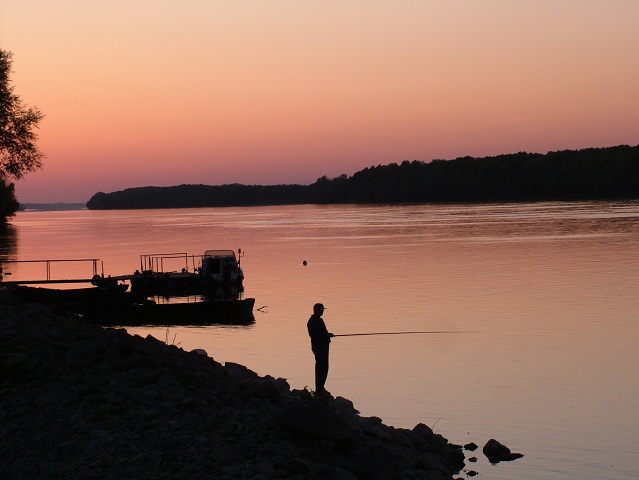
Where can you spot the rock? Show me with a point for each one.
(496, 452)
(430, 461)
(267, 388)
(315, 420)
(83, 353)
(298, 467)
(344, 407)
(239, 370)
(373, 463)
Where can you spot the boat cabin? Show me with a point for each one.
(222, 266)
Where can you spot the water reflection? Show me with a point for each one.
(8, 242)
(8, 248)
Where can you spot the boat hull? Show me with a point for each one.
(208, 312)
(114, 306)
(176, 283)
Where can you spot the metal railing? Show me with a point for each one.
(47, 273)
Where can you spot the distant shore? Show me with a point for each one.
(51, 207)
(84, 402)
(588, 174)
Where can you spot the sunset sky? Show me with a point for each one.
(168, 92)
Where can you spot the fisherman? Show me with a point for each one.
(320, 342)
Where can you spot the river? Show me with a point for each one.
(537, 305)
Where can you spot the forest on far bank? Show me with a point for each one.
(588, 174)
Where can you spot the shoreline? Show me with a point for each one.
(91, 402)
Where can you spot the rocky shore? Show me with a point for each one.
(80, 402)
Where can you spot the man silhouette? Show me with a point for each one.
(320, 342)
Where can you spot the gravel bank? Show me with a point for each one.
(80, 402)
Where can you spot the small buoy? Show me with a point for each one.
(304, 263)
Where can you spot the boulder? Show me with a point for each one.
(496, 452)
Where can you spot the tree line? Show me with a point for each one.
(190, 196)
(588, 174)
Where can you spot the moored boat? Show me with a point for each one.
(214, 268)
(207, 289)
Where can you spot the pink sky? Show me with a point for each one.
(150, 92)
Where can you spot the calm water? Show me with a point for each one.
(543, 299)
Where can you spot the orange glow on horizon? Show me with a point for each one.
(263, 93)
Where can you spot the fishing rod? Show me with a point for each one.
(392, 333)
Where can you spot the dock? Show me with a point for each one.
(48, 279)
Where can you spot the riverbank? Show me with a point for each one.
(83, 402)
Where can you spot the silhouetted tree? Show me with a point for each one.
(19, 153)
